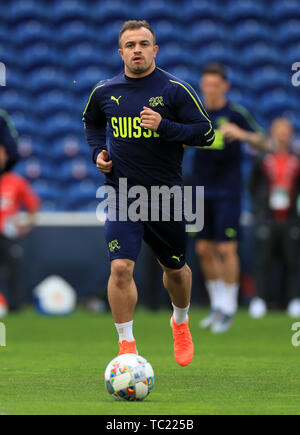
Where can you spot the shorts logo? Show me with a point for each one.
(231, 233)
(177, 258)
(156, 101)
(114, 245)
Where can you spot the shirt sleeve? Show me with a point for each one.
(245, 120)
(8, 139)
(28, 197)
(95, 123)
(194, 127)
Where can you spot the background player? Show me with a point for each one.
(146, 148)
(218, 169)
(275, 189)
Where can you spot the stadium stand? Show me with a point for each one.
(56, 54)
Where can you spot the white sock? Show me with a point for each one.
(125, 331)
(230, 300)
(215, 292)
(180, 314)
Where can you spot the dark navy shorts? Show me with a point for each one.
(167, 239)
(221, 220)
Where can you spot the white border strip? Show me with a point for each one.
(67, 219)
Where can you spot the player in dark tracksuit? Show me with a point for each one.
(150, 115)
(218, 169)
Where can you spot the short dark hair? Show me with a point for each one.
(134, 25)
(215, 68)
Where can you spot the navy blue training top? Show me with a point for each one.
(218, 168)
(142, 156)
(8, 139)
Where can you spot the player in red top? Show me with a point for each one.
(275, 188)
(15, 194)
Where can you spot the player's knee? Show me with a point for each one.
(179, 275)
(121, 271)
(227, 249)
(205, 249)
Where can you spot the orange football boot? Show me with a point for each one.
(183, 343)
(127, 347)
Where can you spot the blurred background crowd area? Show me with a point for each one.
(55, 52)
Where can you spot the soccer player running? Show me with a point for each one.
(218, 169)
(146, 148)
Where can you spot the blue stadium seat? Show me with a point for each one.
(14, 79)
(242, 97)
(237, 78)
(4, 32)
(167, 32)
(87, 78)
(69, 10)
(291, 55)
(40, 55)
(31, 32)
(62, 124)
(35, 169)
(82, 195)
(205, 32)
(77, 169)
(75, 32)
(50, 103)
(188, 74)
(289, 33)
(108, 36)
(50, 194)
(240, 10)
(251, 31)
(267, 79)
(285, 10)
(217, 52)
(105, 11)
(172, 55)
(33, 147)
(83, 55)
(24, 124)
(158, 10)
(15, 101)
(46, 79)
(195, 10)
(70, 147)
(111, 60)
(259, 55)
(279, 102)
(19, 11)
(9, 55)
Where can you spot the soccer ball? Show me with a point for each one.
(129, 377)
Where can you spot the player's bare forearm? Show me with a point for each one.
(256, 140)
(233, 132)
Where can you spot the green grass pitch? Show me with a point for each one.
(56, 366)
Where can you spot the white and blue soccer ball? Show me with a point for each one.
(54, 297)
(129, 377)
